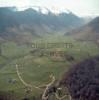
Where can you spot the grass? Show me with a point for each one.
(34, 69)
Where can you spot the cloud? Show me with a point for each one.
(18, 3)
(79, 7)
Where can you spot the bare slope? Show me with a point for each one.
(88, 32)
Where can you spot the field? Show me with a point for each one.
(36, 66)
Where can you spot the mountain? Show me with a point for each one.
(25, 25)
(89, 31)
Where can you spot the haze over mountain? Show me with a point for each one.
(27, 24)
(89, 31)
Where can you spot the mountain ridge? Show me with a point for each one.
(90, 31)
(31, 23)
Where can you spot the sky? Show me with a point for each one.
(79, 7)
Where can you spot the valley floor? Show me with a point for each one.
(37, 64)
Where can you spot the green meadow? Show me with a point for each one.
(36, 66)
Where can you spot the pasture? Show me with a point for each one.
(36, 66)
